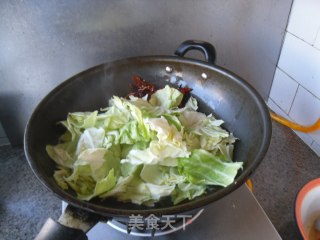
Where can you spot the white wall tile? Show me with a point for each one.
(276, 108)
(315, 136)
(283, 90)
(304, 20)
(302, 62)
(317, 42)
(305, 137)
(316, 148)
(306, 110)
(305, 107)
(300, 59)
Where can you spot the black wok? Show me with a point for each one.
(217, 90)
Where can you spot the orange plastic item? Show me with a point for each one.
(295, 126)
(249, 184)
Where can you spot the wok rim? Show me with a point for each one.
(174, 209)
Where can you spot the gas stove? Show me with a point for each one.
(236, 216)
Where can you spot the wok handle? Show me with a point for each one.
(73, 224)
(206, 48)
(53, 230)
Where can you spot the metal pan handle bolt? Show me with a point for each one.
(169, 69)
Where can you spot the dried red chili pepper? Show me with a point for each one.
(184, 90)
(140, 87)
(186, 95)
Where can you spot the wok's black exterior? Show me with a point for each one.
(223, 93)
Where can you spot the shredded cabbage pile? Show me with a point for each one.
(138, 150)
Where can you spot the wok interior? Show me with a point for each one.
(220, 94)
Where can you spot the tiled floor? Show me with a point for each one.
(288, 165)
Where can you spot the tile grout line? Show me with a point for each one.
(287, 113)
(282, 70)
(295, 94)
(279, 107)
(314, 142)
(299, 83)
(282, 43)
(314, 46)
(294, 131)
(304, 41)
(315, 39)
(295, 91)
(310, 92)
(294, 99)
(285, 72)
